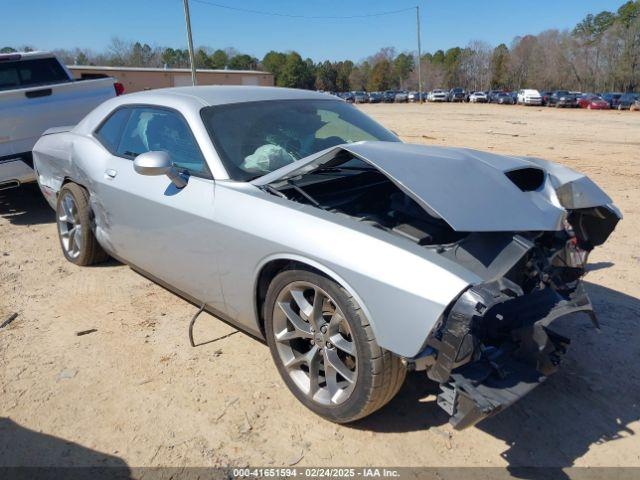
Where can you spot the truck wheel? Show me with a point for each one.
(325, 350)
(74, 219)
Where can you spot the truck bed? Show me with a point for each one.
(27, 112)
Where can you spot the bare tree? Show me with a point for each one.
(475, 65)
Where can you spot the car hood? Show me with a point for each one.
(472, 191)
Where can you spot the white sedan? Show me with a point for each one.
(529, 96)
(478, 97)
(437, 96)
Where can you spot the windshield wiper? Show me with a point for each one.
(315, 203)
(274, 191)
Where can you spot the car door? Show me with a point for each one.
(150, 223)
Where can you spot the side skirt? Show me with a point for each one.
(189, 298)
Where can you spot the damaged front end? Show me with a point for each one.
(495, 344)
(523, 226)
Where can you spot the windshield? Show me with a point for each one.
(255, 138)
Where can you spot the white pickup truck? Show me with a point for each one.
(37, 92)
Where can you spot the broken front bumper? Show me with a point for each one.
(494, 348)
(486, 387)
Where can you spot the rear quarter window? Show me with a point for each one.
(110, 132)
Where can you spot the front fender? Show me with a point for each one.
(401, 319)
(292, 257)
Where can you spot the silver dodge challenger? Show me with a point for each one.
(295, 217)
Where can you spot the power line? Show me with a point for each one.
(308, 17)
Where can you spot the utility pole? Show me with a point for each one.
(419, 54)
(192, 58)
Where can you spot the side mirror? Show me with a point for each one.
(158, 163)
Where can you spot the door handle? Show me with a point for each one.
(110, 173)
(44, 92)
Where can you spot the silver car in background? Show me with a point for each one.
(361, 97)
(402, 97)
(437, 95)
(299, 219)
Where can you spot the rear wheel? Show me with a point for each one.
(73, 216)
(325, 350)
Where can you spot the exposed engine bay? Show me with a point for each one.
(354, 188)
(494, 343)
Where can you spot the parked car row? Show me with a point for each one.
(388, 96)
(592, 101)
(557, 98)
(526, 96)
(569, 99)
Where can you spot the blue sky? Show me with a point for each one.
(50, 24)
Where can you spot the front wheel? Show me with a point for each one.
(325, 350)
(73, 215)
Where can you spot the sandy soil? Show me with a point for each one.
(134, 392)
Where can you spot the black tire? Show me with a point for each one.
(380, 373)
(89, 251)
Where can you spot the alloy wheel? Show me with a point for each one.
(315, 343)
(69, 225)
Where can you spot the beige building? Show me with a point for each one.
(136, 79)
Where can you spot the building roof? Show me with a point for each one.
(168, 70)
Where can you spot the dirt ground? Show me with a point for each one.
(135, 393)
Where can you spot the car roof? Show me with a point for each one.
(28, 55)
(224, 94)
(189, 101)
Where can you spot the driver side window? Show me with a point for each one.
(157, 129)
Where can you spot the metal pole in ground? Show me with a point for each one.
(419, 55)
(192, 58)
